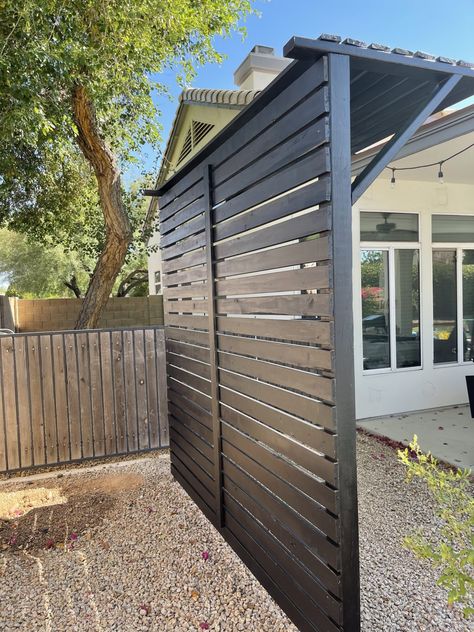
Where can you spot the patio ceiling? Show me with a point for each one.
(459, 170)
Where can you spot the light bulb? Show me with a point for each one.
(441, 174)
(392, 180)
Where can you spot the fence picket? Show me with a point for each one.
(61, 397)
(49, 412)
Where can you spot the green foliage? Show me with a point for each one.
(117, 50)
(452, 549)
(36, 271)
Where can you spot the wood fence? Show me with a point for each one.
(72, 395)
(257, 269)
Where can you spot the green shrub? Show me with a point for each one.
(451, 549)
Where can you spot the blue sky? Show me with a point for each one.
(438, 26)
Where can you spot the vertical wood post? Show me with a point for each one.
(213, 357)
(340, 126)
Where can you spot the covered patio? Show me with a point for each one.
(445, 432)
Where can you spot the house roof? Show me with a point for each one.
(236, 98)
(229, 99)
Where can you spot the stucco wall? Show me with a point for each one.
(61, 313)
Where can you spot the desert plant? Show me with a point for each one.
(451, 548)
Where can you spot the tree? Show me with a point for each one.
(56, 271)
(77, 89)
(52, 268)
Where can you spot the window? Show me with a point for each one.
(375, 309)
(453, 288)
(390, 308)
(453, 305)
(390, 282)
(453, 228)
(376, 226)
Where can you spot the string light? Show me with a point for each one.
(438, 163)
(441, 174)
(392, 180)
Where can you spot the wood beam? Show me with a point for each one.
(392, 148)
(341, 240)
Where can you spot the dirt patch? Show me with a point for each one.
(18, 503)
(113, 483)
(55, 513)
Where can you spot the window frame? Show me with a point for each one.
(459, 300)
(391, 247)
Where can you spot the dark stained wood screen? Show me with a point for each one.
(256, 248)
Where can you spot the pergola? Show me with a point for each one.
(256, 238)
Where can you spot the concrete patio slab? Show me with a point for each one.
(448, 433)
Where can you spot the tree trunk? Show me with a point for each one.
(117, 226)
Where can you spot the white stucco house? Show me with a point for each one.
(413, 248)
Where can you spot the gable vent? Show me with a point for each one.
(195, 135)
(187, 147)
(200, 130)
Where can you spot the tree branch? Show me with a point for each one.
(73, 286)
(136, 277)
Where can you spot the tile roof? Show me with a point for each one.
(218, 97)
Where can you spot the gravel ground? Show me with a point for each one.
(126, 551)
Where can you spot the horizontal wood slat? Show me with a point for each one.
(300, 431)
(319, 521)
(301, 356)
(302, 305)
(311, 250)
(294, 228)
(313, 331)
(290, 123)
(194, 258)
(184, 291)
(293, 403)
(186, 245)
(200, 338)
(196, 225)
(182, 216)
(198, 273)
(316, 277)
(169, 205)
(310, 195)
(322, 547)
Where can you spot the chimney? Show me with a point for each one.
(259, 68)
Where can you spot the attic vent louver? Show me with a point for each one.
(195, 135)
(200, 130)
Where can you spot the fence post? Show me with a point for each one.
(341, 204)
(7, 318)
(216, 429)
